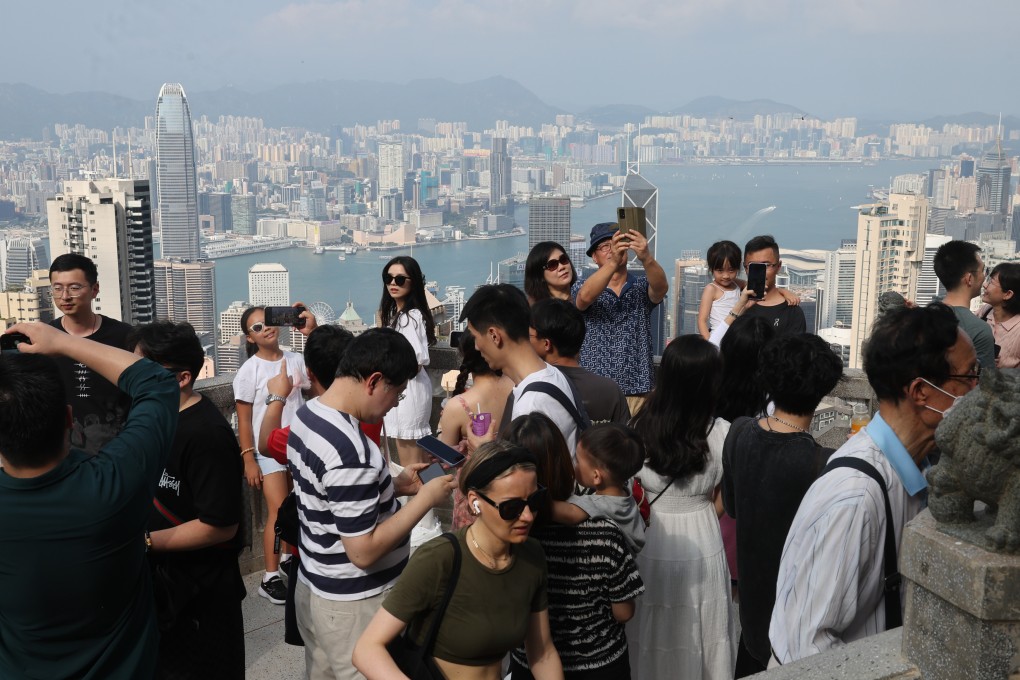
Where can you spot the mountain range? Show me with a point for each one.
(26, 111)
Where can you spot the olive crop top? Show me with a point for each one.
(489, 612)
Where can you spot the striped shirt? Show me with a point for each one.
(830, 586)
(343, 488)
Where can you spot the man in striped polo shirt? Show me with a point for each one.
(354, 532)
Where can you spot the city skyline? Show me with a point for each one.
(827, 58)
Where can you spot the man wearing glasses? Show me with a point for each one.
(98, 408)
(833, 586)
(774, 308)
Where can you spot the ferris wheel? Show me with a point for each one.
(324, 314)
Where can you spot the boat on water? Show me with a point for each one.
(341, 257)
(319, 250)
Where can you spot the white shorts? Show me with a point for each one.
(268, 465)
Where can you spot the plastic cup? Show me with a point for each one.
(480, 423)
(860, 418)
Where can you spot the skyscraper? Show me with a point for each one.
(549, 220)
(19, 257)
(243, 217)
(500, 178)
(890, 249)
(184, 292)
(175, 175)
(836, 302)
(928, 285)
(993, 182)
(639, 192)
(110, 222)
(269, 284)
(391, 167)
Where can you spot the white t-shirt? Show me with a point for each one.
(252, 378)
(534, 401)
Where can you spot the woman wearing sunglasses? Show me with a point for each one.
(252, 397)
(548, 273)
(499, 600)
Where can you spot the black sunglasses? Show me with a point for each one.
(554, 264)
(512, 508)
(399, 279)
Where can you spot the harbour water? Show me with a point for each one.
(802, 206)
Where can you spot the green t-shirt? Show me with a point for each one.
(76, 596)
(980, 334)
(490, 609)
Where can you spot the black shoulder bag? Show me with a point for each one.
(416, 661)
(891, 580)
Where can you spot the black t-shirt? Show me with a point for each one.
(603, 399)
(785, 319)
(765, 476)
(98, 408)
(201, 480)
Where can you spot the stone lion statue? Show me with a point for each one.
(980, 444)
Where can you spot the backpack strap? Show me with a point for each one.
(892, 579)
(557, 394)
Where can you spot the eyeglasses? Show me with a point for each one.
(969, 376)
(72, 291)
(604, 246)
(257, 327)
(399, 279)
(512, 508)
(554, 264)
(768, 265)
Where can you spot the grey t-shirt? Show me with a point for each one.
(620, 510)
(980, 334)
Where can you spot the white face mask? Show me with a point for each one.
(951, 396)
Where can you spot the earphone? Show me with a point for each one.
(478, 509)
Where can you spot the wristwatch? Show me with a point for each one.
(275, 397)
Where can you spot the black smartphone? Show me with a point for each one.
(455, 338)
(431, 472)
(631, 217)
(284, 316)
(9, 341)
(443, 452)
(756, 279)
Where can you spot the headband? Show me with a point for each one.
(492, 467)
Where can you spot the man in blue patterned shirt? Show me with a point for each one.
(618, 304)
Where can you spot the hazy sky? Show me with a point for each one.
(905, 58)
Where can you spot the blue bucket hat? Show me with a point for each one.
(599, 233)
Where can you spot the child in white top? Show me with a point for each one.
(721, 293)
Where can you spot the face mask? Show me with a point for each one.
(951, 396)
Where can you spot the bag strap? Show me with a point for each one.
(430, 638)
(892, 579)
(557, 394)
(652, 502)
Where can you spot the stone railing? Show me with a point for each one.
(442, 359)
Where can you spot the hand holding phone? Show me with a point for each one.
(756, 280)
(441, 451)
(285, 316)
(9, 341)
(431, 472)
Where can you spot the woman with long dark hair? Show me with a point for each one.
(740, 391)
(548, 272)
(688, 631)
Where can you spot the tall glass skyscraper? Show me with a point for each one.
(177, 189)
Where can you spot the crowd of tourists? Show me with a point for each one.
(611, 518)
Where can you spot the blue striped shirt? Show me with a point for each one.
(343, 488)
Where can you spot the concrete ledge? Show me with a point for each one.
(874, 658)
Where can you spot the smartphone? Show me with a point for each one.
(9, 341)
(631, 217)
(443, 452)
(431, 472)
(756, 279)
(455, 338)
(285, 316)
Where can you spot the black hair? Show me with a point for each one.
(761, 243)
(675, 421)
(249, 347)
(415, 298)
(741, 392)
(617, 448)
(721, 252)
(379, 350)
(953, 260)
(908, 343)
(538, 433)
(502, 306)
(798, 371)
(535, 285)
(1009, 281)
(71, 261)
(561, 323)
(33, 410)
(174, 346)
(472, 363)
(323, 350)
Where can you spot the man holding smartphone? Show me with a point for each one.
(763, 252)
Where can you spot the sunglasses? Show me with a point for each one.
(257, 327)
(554, 264)
(512, 508)
(399, 279)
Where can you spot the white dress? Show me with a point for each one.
(722, 306)
(684, 625)
(409, 419)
